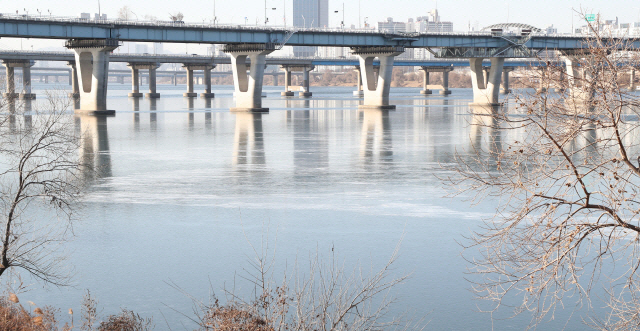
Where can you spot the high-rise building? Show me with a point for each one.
(309, 14)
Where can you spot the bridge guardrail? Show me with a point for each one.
(283, 29)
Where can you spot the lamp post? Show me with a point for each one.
(337, 11)
(215, 18)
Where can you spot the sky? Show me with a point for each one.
(540, 13)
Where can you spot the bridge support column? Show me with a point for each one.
(578, 80)
(560, 86)
(11, 84)
(26, 83)
(541, 86)
(486, 94)
(287, 82)
(632, 80)
(425, 82)
(153, 92)
(248, 86)
(445, 82)
(358, 92)
(73, 81)
(305, 82)
(26, 79)
(135, 81)
(275, 78)
(207, 82)
(92, 61)
(190, 93)
(376, 91)
(505, 81)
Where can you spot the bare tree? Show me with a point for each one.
(564, 169)
(125, 13)
(39, 187)
(178, 17)
(324, 296)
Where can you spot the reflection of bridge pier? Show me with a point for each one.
(94, 147)
(376, 143)
(248, 142)
(153, 115)
(484, 124)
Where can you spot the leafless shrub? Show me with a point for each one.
(127, 320)
(567, 182)
(326, 296)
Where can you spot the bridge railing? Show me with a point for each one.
(211, 24)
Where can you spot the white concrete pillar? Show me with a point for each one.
(287, 83)
(485, 72)
(305, 82)
(632, 80)
(92, 62)
(135, 82)
(248, 86)
(486, 95)
(505, 82)
(359, 92)
(26, 83)
(541, 81)
(73, 81)
(190, 92)
(207, 83)
(425, 82)
(153, 91)
(445, 82)
(11, 84)
(376, 91)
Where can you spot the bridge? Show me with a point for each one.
(93, 41)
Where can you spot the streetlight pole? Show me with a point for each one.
(359, 15)
(265, 13)
(215, 18)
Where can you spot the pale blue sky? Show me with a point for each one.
(540, 13)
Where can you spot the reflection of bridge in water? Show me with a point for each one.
(316, 129)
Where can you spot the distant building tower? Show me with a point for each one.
(309, 14)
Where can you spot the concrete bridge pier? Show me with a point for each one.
(578, 79)
(26, 65)
(359, 92)
(73, 81)
(505, 80)
(11, 84)
(92, 61)
(135, 81)
(542, 88)
(305, 82)
(287, 82)
(376, 91)
(486, 91)
(151, 79)
(632, 80)
(445, 81)
(26, 82)
(207, 82)
(425, 81)
(189, 93)
(248, 86)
